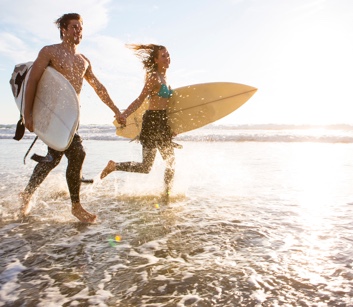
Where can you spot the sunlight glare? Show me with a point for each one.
(315, 169)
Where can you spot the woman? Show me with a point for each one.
(155, 133)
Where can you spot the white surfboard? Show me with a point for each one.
(193, 106)
(56, 106)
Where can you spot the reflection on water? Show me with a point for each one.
(249, 224)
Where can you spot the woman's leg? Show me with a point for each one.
(168, 156)
(148, 156)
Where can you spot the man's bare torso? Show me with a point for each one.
(72, 66)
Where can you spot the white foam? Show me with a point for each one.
(189, 299)
(260, 296)
(52, 297)
(9, 280)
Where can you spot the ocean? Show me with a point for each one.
(260, 215)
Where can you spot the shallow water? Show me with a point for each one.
(249, 224)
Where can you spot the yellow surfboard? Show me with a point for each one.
(193, 106)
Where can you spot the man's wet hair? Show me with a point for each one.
(63, 21)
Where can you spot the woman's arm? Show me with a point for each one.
(147, 89)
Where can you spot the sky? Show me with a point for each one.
(298, 53)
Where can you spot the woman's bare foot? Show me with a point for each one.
(108, 169)
(83, 215)
(26, 204)
(166, 197)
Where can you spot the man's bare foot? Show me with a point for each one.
(26, 204)
(111, 166)
(83, 215)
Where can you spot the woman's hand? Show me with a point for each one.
(121, 119)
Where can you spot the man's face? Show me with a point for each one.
(73, 33)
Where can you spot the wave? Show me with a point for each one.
(340, 133)
(268, 138)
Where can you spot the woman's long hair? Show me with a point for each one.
(147, 54)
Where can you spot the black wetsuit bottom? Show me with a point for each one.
(75, 156)
(155, 134)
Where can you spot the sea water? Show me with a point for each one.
(258, 216)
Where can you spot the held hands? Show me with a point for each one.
(121, 119)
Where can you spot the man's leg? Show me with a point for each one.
(76, 155)
(40, 172)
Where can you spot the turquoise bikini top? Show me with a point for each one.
(165, 91)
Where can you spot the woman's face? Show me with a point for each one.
(163, 59)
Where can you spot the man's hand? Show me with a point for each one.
(29, 122)
(121, 119)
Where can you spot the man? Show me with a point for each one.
(74, 67)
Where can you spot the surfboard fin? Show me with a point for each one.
(84, 180)
(176, 145)
(42, 159)
(20, 130)
(135, 139)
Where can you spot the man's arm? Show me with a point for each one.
(36, 73)
(101, 91)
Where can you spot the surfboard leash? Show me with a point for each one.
(29, 149)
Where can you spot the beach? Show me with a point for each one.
(258, 216)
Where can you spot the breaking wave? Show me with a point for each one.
(214, 133)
